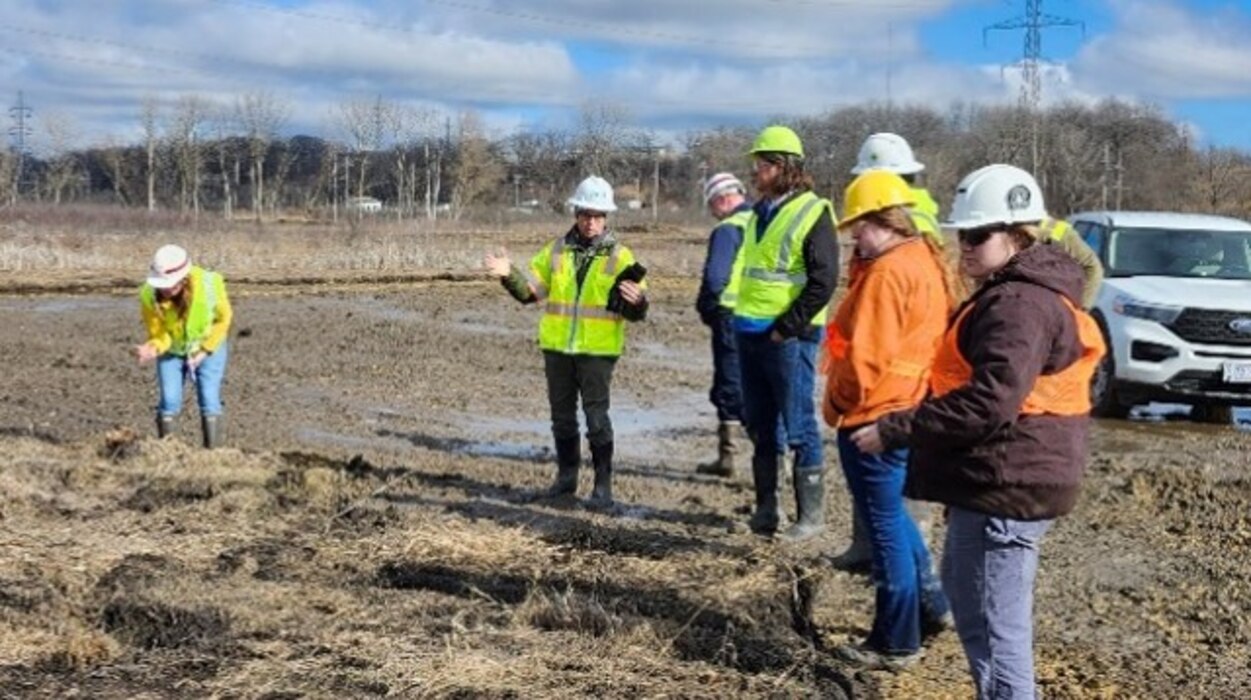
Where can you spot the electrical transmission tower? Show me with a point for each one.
(1033, 22)
(18, 134)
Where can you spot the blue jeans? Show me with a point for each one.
(908, 594)
(988, 569)
(778, 382)
(727, 385)
(172, 373)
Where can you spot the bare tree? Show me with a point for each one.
(60, 134)
(261, 116)
(8, 175)
(478, 169)
(118, 167)
(365, 123)
(188, 120)
(604, 131)
(148, 118)
(223, 124)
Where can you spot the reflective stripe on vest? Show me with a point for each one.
(773, 268)
(729, 295)
(575, 318)
(1065, 393)
(187, 335)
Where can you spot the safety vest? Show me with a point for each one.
(1065, 393)
(773, 264)
(729, 295)
(187, 335)
(925, 216)
(575, 319)
(1053, 230)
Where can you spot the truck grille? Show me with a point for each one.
(1210, 326)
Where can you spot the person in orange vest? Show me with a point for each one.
(1002, 440)
(187, 316)
(878, 350)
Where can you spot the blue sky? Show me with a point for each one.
(86, 65)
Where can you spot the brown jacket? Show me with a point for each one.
(972, 448)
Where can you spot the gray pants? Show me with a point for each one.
(571, 376)
(988, 571)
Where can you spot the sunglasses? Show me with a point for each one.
(977, 236)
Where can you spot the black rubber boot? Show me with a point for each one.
(810, 498)
(728, 434)
(601, 457)
(568, 460)
(767, 517)
(164, 425)
(858, 557)
(211, 427)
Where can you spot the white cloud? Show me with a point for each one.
(1164, 50)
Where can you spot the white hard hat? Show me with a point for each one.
(719, 184)
(170, 264)
(886, 151)
(996, 194)
(593, 193)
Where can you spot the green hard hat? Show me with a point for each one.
(777, 139)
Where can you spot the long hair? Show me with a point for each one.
(899, 220)
(792, 178)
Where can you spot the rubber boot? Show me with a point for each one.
(164, 425)
(601, 457)
(728, 433)
(810, 499)
(568, 460)
(767, 518)
(858, 557)
(211, 427)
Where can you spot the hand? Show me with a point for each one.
(196, 359)
(146, 353)
(776, 337)
(868, 440)
(498, 263)
(631, 292)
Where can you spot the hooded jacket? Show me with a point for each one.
(972, 447)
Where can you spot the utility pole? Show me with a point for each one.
(656, 187)
(1033, 22)
(18, 133)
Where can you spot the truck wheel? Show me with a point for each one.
(1105, 401)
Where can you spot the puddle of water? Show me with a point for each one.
(474, 448)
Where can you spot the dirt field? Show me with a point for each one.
(372, 531)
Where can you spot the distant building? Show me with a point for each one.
(366, 205)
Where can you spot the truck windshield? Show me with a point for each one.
(1179, 253)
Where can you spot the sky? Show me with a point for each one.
(85, 66)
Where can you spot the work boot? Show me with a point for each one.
(568, 460)
(810, 500)
(601, 457)
(727, 447)
(211, 427)
(164, 425)
(767, 517)
(858, 557)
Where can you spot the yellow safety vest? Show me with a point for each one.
(773, 267)
(1053, 230)
(925, 216)
(187, 336)
(575, 319)
(729, 295)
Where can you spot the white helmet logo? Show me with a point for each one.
(1019, 198)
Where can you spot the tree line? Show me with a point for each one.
(204, 158)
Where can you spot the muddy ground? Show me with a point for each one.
(372, 530)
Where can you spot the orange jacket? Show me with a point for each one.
(884, 336)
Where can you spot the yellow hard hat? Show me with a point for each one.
(872, 191)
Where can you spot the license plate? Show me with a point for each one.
(1237, 373)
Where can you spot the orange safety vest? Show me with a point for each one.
(1065, 393)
